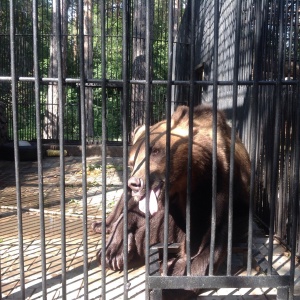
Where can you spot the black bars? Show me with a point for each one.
(16, 143)
(190, 141)
(39, 145)
(212, 282)
(214, 134)
(259, 9)
(148, 77)
(61, 101)
(83, 127)
(233, 132)
(104, 160)
(272, 86)
(168, 137)
(125, 122)
(295, 191)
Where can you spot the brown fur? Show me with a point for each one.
(201, 191)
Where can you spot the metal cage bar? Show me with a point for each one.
(104, 151)
(168, 129)
(39, 147)
(190, 142)
(254, 130)
(214, 141)
(268, 118)
(148, 77)
(61, 150)
(83, 147)
(16, 143)
(233, 133)
(125, 113)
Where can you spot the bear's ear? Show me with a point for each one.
(137, 132)
(181, 114)
(184, 131)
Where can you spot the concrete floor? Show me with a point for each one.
(9, 243)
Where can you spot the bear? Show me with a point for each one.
(201, 193)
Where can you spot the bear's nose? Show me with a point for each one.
(135, 184)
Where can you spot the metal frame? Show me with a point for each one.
(259, 87)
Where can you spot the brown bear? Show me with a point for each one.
(200, 199)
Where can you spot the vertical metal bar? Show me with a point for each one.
(61, 148)
(295, 195)
(125, 114)
(16, 145)
(83, 122)
(214, 152)
(39, 144)
(274, 176)
(104, 134)
(190, 140)
(168, 139)
(155, 294)
(1, 281)
(257, 47)
(282, 293)
(147, 138)
(233, 131)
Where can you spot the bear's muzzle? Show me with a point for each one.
(137, 186)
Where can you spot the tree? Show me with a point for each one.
(138, 63)
(51, 119)
(88, 65)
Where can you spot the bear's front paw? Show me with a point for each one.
(114, 254)
(113, 262)
(97, 227)
(115, 258)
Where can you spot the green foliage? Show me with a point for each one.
(113, 50)
(113, 115)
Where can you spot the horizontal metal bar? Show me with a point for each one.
(119, 83)
(5, 78)
(172, 247)
(212, 282)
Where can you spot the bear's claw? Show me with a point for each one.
(96, 227)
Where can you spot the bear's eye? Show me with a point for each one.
(154, 151)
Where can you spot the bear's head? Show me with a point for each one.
(178, 167)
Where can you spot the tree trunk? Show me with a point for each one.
(51, 119)
(139, 62)
(88, 65)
